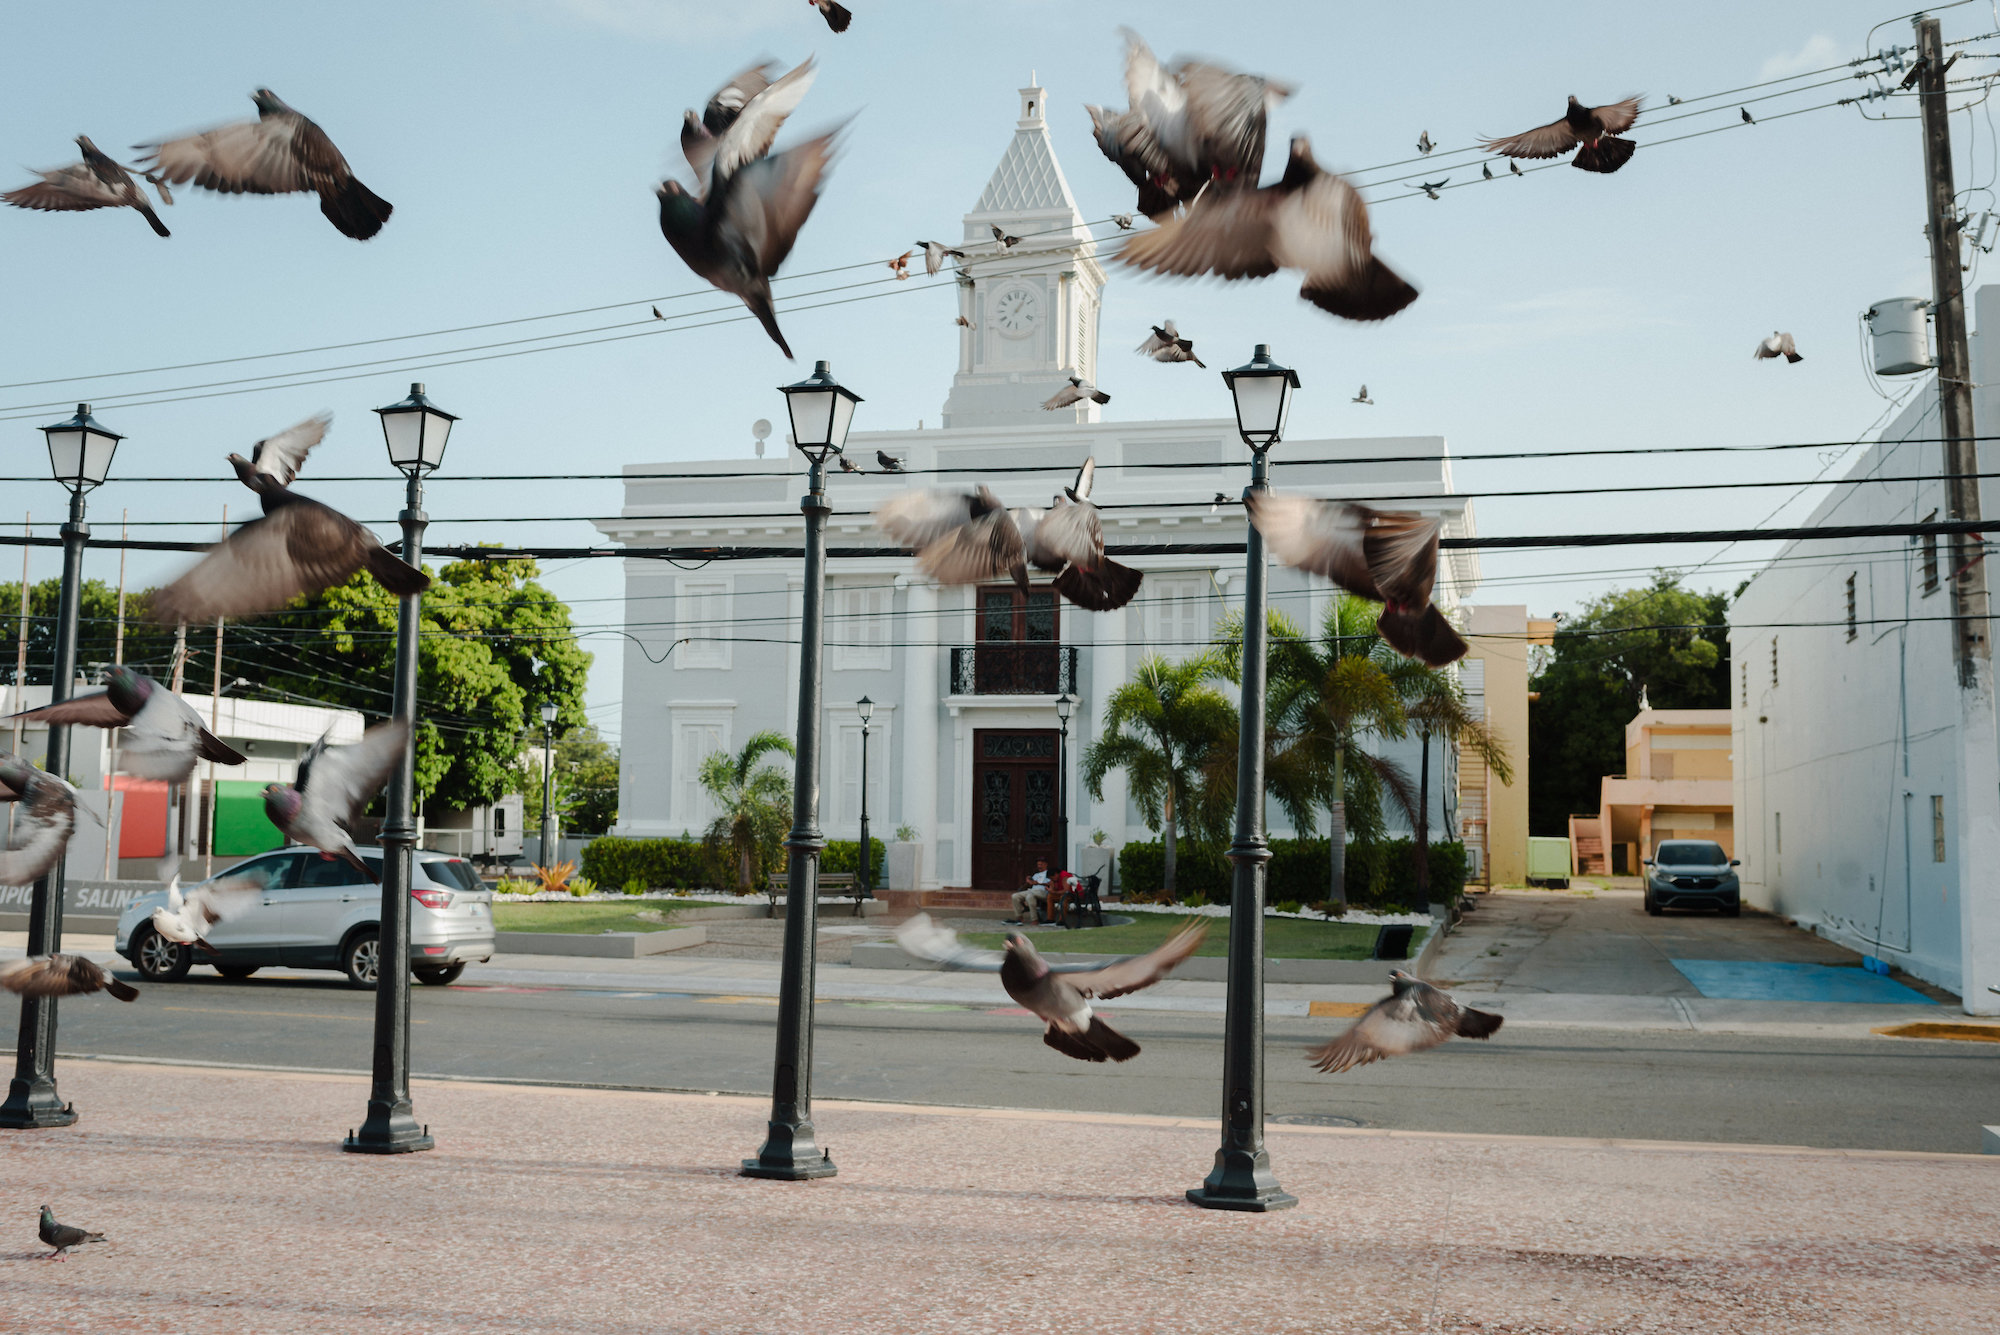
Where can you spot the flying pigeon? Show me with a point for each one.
(887, 462)
(1123, 221)
(1424, 144)
(299, 546)
(900, 266)
(969, 537)
(1385, 556)
(1486, 170)
(1006, 242)
(1075, 392)
(95, 183)
(61, 976)
(1216, 504)
(964, 323)
(163, 737)
(1165, 344)
(42, 824)
(335, 784)
(837, 15)
(279, 153)
(848, 465)
(1592, 131)
(741, 120)
(1195, 128)
(187, 916)
(935, 254)
(62, 1237)
(1415, 1017)
(1311, 220)
(1362, 397)
(1748, 119)
(1778, 345)
(1431, 188)
(1059, 996)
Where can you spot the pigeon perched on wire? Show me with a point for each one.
(1005, 241)
(848, 465)
(95, 183)
(1515, 168)
(837, 15)
(1312, 221)
(1060, 997)
(1778, 345)
(1431, 188)
(188, 915)
(1415, 1017)
(969, 537)
(1424, 144)
(61, 976)
(43, 821)
(1486, 170)
(1673, 101)
(1362, 397)
(163, 737)
(1165, 344)
(299, 546)
(335, 784)
(1748, 119)
(887, 462)
(1076, 391)
(935, 254)
(1385, 556)
(1591, 131)
(279, 153)
(62, 1237)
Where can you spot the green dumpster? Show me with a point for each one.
(1548, 862)
(241, 827)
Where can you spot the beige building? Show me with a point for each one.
(1676, 785)
(1493, 816)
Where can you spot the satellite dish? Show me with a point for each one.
(760, 431)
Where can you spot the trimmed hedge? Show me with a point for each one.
(1381, 875)
(682, 864)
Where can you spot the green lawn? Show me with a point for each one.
(592, 918)
(1284, 938)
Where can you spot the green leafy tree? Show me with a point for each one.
(147, 647)
(1588, 688)
(585, 777)
(1161, 728)
(755, 803)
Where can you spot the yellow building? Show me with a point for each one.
(1676, 785)
(1493, 817)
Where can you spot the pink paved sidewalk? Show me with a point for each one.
(231, 1209)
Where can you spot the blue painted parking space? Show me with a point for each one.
(1751, 980)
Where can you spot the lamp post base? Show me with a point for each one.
(34, 1104)
(389, 1131)
(789, 1155)
(1242, 1181)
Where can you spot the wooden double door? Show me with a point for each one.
(1015, 798)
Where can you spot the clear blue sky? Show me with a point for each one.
(520, 139)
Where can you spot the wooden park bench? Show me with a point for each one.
(830, 882)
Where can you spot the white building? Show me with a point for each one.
(1851, 813)
(965, 739)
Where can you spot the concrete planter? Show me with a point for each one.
(906, 866)
(605, 945)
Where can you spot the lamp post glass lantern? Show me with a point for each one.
(821, 409)
(1241, 1178)
(80, 452)
(415, 431)
(1065, 706)
(864, 883)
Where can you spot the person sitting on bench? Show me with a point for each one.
(1032, 898)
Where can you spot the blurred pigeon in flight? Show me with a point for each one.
(61, 976)
(1362, 397)
(1060, 997)
(279, 153)
(1415, 1017)
(1778, 345)
(1385, 556)
(887, 462)
(741, 121)
(299, 546)
(1431, 188)
(935, 254)
(837, 15)
(1312, 220)
(1005, 241)
(1165, 344)
(95, 183)
(188, 916)
(900, 266)
(335, 784)
(1592, 131)
(1075, 392)
(163, 737)
(62, 1237)
(1424, 144)
(964, 323)
(42, 823)
(1123, 221)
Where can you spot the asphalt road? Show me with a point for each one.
(1880, 1094)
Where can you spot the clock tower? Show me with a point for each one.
(1031, 309)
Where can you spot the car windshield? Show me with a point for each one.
(456, 872)
(1690, 855)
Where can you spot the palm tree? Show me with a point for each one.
(754, 803)
(1160, 728)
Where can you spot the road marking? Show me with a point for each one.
(1339, 1008)
(1977, 1033)
(283, 1015)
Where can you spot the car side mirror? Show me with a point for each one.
(1735, 862)
(1646, 862)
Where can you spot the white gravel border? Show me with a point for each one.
(1358, 917)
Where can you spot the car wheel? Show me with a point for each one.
(160, 960)
(237, 970)
(441, 977)
(361, 960)
(1651, 907)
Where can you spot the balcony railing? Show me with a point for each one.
(1013, 667)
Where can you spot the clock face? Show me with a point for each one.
(1016, 312)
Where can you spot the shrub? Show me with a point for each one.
(555, 876)
(1286, 906)
(1379, 875)
(635, 886)
(906, 834)
(844, 855)
(579, 886)
(670, 864)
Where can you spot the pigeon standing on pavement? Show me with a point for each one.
(887, 462)
(43, 822)
(61, 976)
(1778, 345)
(1059, 997)
(299, 546)
(187, 916)
(1165, 344)
(1076, 391)
(62, 1237)
(95, 183)
(1592, 131)
(837, 15)
(163, 737)
(334, 786)
(1415, 1017)
(935, 254)
(1312, 221)
(279, 153)
(1385, 556)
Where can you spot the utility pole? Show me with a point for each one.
(1978, 759)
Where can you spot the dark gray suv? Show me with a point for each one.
(1692, 874)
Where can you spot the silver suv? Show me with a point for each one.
(319, 913)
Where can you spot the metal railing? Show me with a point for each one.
(1013, 667)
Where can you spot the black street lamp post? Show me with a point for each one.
(80, 453)
(865, 883)
(821, 410)
(1065, 705)
(1242, 1178)
(549, 851)
(416, 432)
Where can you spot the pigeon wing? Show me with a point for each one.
(1544, 141)
(92, 711)
(730, 99)
(1402, 549)
(42, 827)
(1617, 117)
(768, 200)
(246, 157)
(1226, 114)
(1230, 236)
(1068, 535)
(302, 547)
(1079, 490)
(65, 190)
(916, 519)
(1324, 537)
(346, 778)
(1063, 397)
(749, 134)
(1104, 587)
(281, 456)
(1140, 971)
(925, 940)
(982, 549)
(165, 737)
(216, 901)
